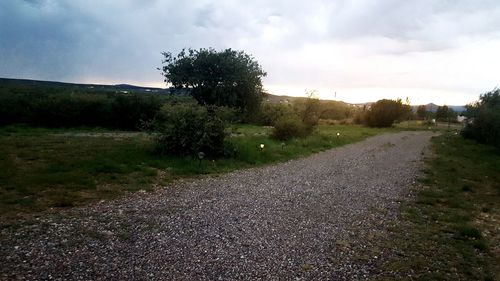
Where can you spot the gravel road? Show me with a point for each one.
(315, 218)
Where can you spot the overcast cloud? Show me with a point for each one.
(430, 50)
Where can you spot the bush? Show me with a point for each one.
(484, 125)
(270, 113)
(228, 114)
(288, 127)
(309, 111)
(384, 112)
(187, 129)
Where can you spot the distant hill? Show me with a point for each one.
(20, 83)
(457, 108)
(289, 99)
(433, 107)
(281, 99)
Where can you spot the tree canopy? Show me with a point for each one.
(484, 125)
(422, 112)
(223, 78)
(384, 112)
(444, 113)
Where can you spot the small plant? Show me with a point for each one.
(289, 127)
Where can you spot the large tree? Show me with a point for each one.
(224, 78)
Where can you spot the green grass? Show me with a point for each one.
(422, 125)
(42, 169)
(451, 231)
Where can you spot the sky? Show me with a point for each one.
(441, 51)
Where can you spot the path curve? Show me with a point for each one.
(306, 219)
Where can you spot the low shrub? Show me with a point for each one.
(188, 128)
(270, 113)
(288, 127)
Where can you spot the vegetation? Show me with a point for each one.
(444, 113)
(65, 109)
(222, 78)
(309, 112)
(384, 112)
(451, 231)
(336, 110)
(484, 125)
(50, 168)
(288, 127)
(422, 112)
(271, 112)
(189, 129)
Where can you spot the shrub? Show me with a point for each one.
(186, 129)
(288, 127)
(228, 114)
(309, 111)
(484, 126)
(384, 112)
(270, 113)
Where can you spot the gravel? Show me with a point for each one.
(315, 218)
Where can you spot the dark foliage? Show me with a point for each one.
(422, 113)
(63, 109)
(270, 113)
(484, 119)
(187, 129)
(222, 78)
(384, 112)
(444, 113)
(309, 111)
(288, 127)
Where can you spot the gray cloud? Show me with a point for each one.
(111, 40)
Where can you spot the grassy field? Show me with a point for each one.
(422, 125)
(45, 169)
(452, 230)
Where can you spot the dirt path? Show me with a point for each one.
(315, 218)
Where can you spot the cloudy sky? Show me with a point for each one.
(441, 51)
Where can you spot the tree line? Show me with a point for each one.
(218, 87)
